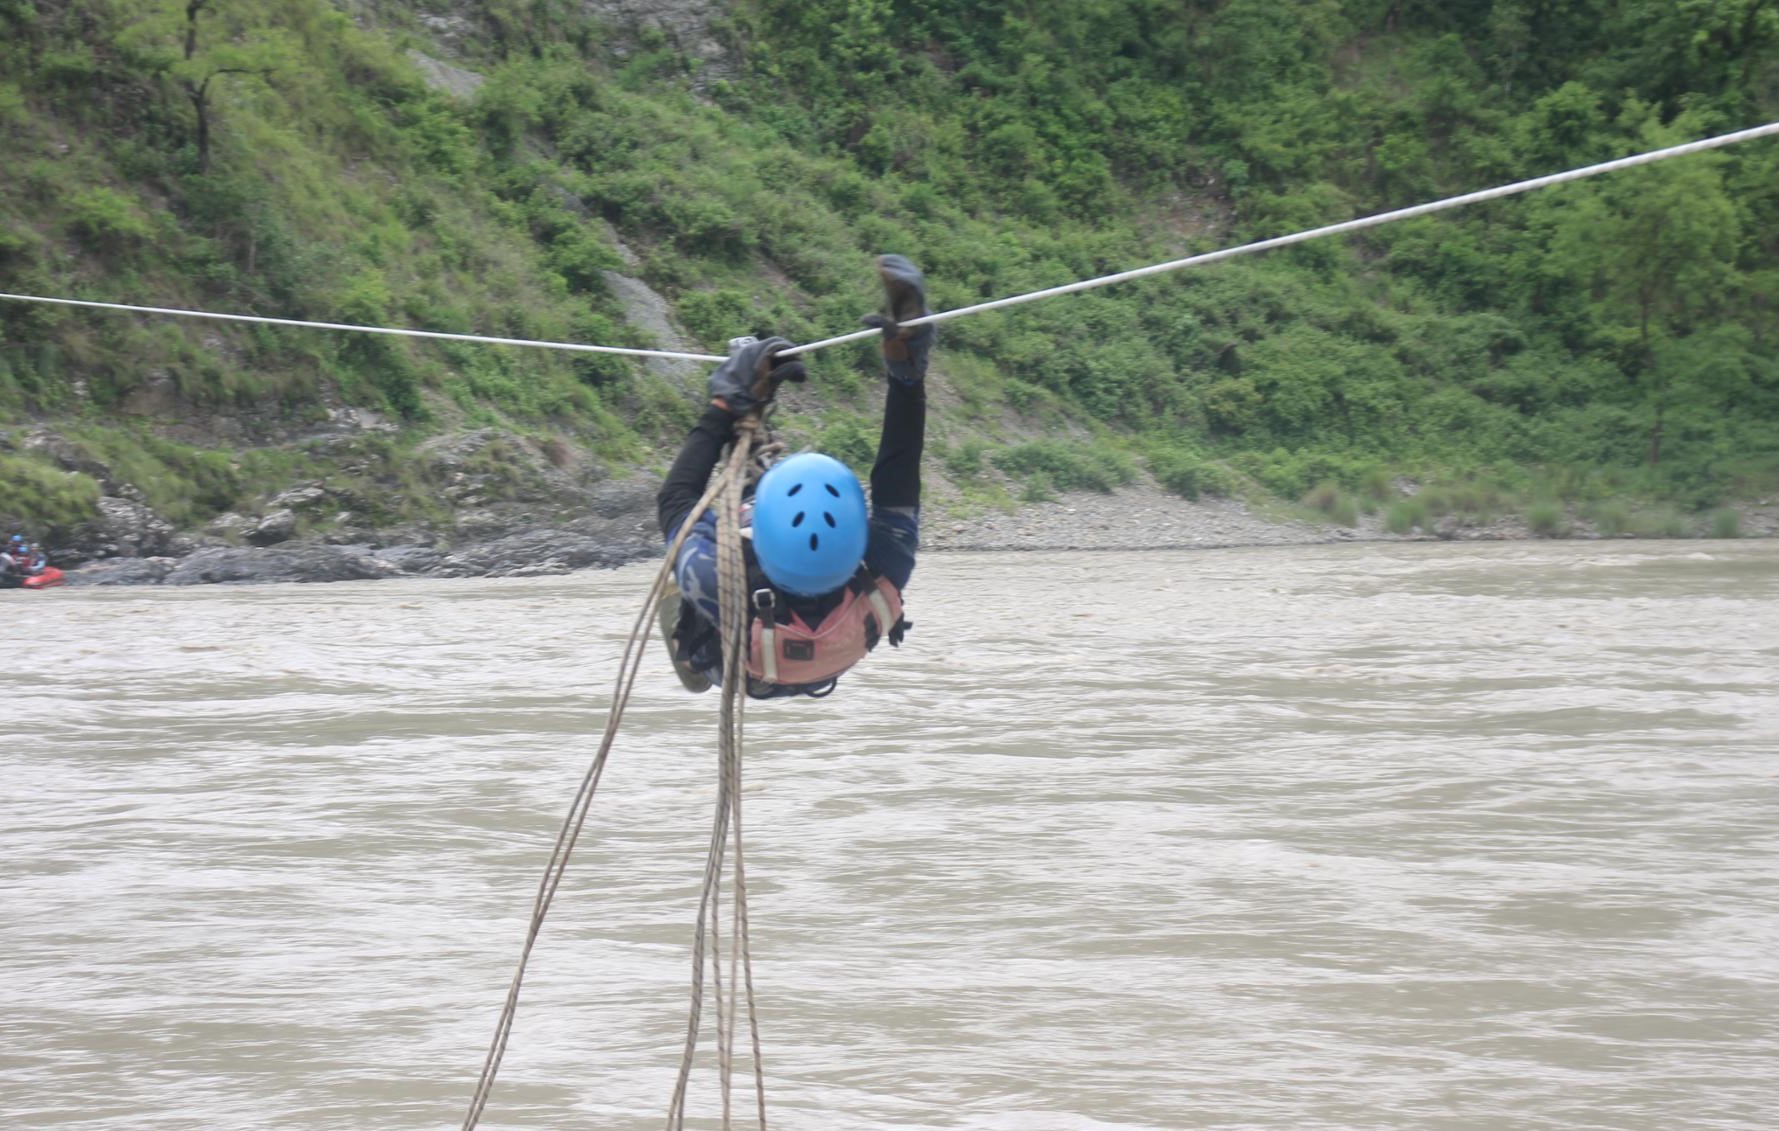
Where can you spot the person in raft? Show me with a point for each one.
(825, 570)
(15, 559)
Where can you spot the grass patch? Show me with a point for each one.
(43, 498)
(1404, 516)
(1663, 522)
(1472, 502)
(1611, 519)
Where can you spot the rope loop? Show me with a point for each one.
(749, 453)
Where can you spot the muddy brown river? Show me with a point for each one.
(1428, 837)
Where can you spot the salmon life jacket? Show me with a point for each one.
(788, 656)
(785, 651)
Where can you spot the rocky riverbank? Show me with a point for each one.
(616, 526)
(620, 528)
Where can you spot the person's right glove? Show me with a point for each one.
(905, 351)
(752, 374)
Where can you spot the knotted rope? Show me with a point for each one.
(747, 453)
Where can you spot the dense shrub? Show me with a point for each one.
(1067, 466)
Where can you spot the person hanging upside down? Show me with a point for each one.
(825, 569)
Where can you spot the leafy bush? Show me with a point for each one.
(1190, 475)
(850, 439)
(1726, 523)
(1546, 519)
(1067, 466)
(1038, 489)
(1329, 499)
(107, 222)
(964, 461)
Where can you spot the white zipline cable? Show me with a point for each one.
(1361, 223)
(1316, 233)
(367, 329)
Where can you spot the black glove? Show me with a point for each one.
(905, 352)
(752, 374)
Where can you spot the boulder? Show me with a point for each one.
(123, 571)
(237, 565)
(279, 526)
(124, 528)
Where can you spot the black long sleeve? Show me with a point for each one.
(895, 477)
(690, 473)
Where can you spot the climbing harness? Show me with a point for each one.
(783, 649)
(789, 655)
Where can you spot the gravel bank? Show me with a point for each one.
(1144, 517)
(1131, 518)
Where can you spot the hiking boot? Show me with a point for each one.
(667, 619)
(904, 351)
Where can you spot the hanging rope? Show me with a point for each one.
(745, 457)
(732, 595)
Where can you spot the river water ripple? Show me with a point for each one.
(1424, 836)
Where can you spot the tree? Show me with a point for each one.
(1676, 48)
(1655, 249)
(195, 43)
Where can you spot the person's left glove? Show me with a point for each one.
(752, 374)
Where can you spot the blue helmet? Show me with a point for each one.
(810, 524)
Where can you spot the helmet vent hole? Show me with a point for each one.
(832, 490)
(795, 487)
(798, 521)
(814, 541)
(830, 519)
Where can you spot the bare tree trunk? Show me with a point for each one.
(193, 8)
(199, 93)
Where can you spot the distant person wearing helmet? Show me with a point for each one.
(13, 559)
(825, 570)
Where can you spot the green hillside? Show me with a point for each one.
(1612, 343)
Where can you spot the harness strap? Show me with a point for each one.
(764, 601)
(884, 621)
